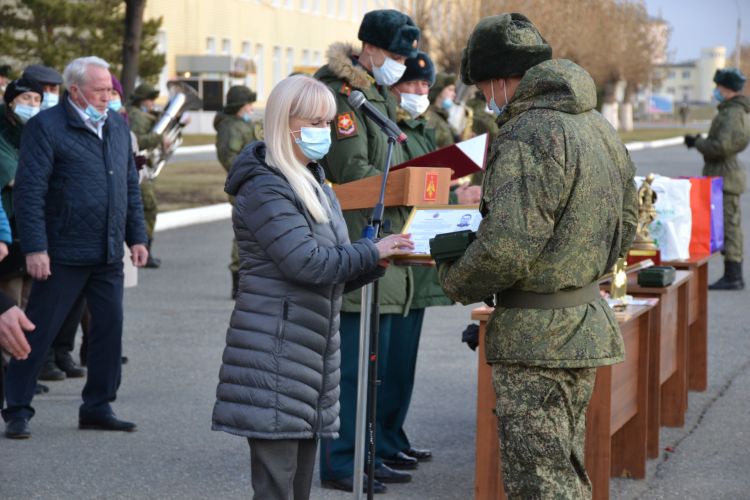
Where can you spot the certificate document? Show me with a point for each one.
(426, 222)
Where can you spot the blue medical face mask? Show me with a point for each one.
(115, 105)
(50, 100)
(447, 103)
(314, 141)
(498, 110)
(718, 96)
(247, 117)
(24, 112)
(94, 114)
(389, 73)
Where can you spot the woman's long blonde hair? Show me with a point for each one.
(301, 97)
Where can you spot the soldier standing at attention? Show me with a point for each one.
(358, 151)
(442, 95)
(545, 240)
(728, 136)
(142, 119)
(235, 129)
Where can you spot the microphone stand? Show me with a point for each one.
(367, 374)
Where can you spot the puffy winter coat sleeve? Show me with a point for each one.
(5, 234)
(283, 232)
(135, 226)
(522, 192)
(32, 183)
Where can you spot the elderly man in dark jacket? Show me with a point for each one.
(77, 200)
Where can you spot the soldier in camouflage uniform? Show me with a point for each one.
(728, 136)
(142, 119)
(358, 151)
(545, 240)
(235, 128)
(441, 95)
(393, 445)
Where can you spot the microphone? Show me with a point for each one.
(358, 101)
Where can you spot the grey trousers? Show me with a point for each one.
(282, 469)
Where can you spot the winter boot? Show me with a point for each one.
(732, 279)
(152, 262)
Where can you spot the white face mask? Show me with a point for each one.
(389, 73)
(415, 104)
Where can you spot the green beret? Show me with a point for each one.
(419, 68)
(390, 30)
(142, 92)
(731, 78)
(238, 96)
(442, 80)
(502, 46)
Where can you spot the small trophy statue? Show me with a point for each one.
(644, 247)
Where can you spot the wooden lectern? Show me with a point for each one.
(409, 186)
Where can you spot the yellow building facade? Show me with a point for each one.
(213, 44)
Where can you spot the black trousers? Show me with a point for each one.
(66, 337)
(282, 469)
(50, 303)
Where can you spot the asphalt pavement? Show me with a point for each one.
(175, 324)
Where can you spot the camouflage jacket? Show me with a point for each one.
(141, 123)
(438, 119)
(729, 135)
(559, 207)
(232, 134)
(358, 151)
(427, 290)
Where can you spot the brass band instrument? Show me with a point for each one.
(169, 126)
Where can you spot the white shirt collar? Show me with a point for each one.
(94, 127)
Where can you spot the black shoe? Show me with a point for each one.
(50, 371)
(105, 423)
(401, 461)
(40, 389)
(124, 360)
(66, 364)
(152, 262)
(18, 428)
(347, 484)
(423, 455)
(732, 279)
(385, 474)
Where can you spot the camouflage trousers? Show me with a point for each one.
(733, 250)
(541, 420)
(234, 262)
(150, 208)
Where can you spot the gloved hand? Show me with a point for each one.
(471, 336)
(690, 140)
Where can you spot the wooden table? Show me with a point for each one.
(698, 321)
(668, 355)
(616, 417)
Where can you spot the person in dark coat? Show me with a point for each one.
(279, 379)
(77, 202)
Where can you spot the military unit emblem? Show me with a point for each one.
(345, 126)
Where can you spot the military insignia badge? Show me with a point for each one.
(414, 44)
(346, 89)
(422, 64)
(346, 126)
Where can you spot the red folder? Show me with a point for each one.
(464, 158)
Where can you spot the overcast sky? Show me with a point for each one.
(697, 24)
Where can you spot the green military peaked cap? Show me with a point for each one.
(391, 30)
(142, 92)
(419, 68)
(238, 96)
(442, 80)
(731, 78)
(502, 46)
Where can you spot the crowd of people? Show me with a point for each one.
(73, 202)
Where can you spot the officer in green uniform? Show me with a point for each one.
(393, 446)
(142, 119)
(545, 240)
(728, 136)
(483, 122)
(442, 94)
(235, 128)
(358, 151)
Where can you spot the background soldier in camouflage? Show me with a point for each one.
(545, 239)
(442, 95)
(142, 119)
(729, 135)
(358, 151)
(235, 129)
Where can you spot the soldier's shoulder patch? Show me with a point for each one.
(346, 125)
(345, 89)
